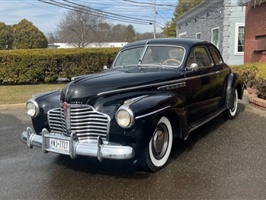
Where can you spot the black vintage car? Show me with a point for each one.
(155, 90)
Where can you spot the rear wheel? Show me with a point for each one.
(158, 151)
(231, 113)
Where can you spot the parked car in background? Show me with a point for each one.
(154, 91)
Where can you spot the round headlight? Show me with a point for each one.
(124, 118)
(32, 108)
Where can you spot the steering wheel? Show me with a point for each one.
(171, 61)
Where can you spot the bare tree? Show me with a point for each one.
(79, 27)
(103, 33)
(52, 37)
(118, 33)
(147, 35)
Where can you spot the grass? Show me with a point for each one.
(16, 94)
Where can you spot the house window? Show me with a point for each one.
(260, 43)
(198, 35)
(183, 35)
(215, 37)
(239, 39)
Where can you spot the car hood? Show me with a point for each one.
(82, 88)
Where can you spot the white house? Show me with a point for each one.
(91, 45)
(221, 22)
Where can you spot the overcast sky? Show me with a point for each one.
(46, 17)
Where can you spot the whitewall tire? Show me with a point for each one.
(231, 113)
(157, 153)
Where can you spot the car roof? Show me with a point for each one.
(168, 41)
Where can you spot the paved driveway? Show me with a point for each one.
(221, 160)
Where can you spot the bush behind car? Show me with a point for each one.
(254, 76)
(49, 65)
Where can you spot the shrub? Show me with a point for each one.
(47, 65)
(254, 76)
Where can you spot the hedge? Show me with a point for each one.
(254, 76)
(47, 65)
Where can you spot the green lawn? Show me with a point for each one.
(15, 94)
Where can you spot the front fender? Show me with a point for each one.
(149, 109)
(155, 104)
(46, 101)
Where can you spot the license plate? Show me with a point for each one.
(59, 145)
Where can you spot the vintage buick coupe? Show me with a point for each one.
(155, 90)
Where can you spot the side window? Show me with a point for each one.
(216, 56)
(200, 56)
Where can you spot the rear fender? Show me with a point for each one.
(233, 82)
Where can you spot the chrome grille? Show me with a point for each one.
(84, 120)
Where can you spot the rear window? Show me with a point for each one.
(216, 56)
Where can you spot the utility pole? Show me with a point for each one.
(154, 18)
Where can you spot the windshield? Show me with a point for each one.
(129, 57)
(151, 55)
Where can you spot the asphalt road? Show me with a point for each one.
(221, 160)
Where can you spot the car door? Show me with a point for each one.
(221, 73)
(200, 92)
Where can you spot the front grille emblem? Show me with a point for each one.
(66, 109)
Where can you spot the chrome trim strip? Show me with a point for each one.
(134, 100)
(126, 107)
(140, 87)
(151, 113)
(172, 86)
(209, 119)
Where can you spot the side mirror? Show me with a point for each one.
(105, 67)
(193, 67)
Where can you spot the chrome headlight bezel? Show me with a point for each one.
(32, 108)
(125, 117)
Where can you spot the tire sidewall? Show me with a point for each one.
(231, 113)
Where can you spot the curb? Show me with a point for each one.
(12, 106)
(253, 98)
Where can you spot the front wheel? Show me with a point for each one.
(158, 151)
(231, 113)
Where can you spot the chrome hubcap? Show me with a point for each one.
(160, 141)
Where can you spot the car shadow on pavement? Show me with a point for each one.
(114, 168)
(204, 131)
(131, 168)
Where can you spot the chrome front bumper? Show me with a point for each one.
(95, 148)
